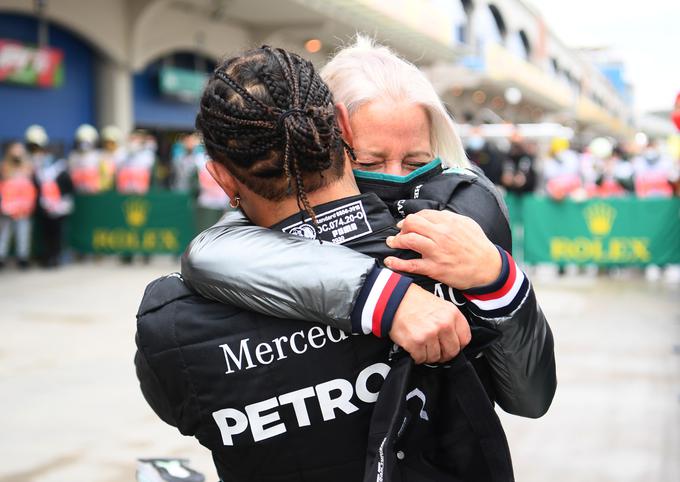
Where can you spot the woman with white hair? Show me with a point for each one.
(369, 76)
(404, 147)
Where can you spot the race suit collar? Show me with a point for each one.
(392, 188)
(342, 220)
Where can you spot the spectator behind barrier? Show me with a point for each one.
(134, 173)
(562, 171)
(484, 154)
(653, 171)
(614, 172)
(17, 204)
(84, 161)
(113, 154)
(184, 164)
(55, 195)
(519, 176)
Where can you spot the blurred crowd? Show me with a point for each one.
(602, 168)
(37, 185)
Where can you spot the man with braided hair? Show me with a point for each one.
(292, 400)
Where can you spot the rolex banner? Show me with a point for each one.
(626, 231)
(158, 222)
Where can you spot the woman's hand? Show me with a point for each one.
(454, 249)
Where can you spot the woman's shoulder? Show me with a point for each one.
(487, 190)
(463, 186)
(468, 192)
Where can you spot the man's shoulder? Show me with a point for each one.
(157, 316)
(161, 292)
(172, 315)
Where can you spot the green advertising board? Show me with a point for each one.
(159, 222)
(186, 85)
(626, 231)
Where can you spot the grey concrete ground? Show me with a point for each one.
(70, 409)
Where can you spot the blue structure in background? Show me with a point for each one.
(59, 110)
(151, 109)
(62, 109)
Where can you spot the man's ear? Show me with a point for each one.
(343, 121)
(223, 177)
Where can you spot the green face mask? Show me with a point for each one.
(390, 188)
(380, 176)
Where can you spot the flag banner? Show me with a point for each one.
(31, 66)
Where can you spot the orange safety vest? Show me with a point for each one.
(610, 188)
(86, 179)
(561, 186)
(652, 184)
(133, 180)
(17, 197)
(50, 194)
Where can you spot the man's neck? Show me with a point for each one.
(270, 213)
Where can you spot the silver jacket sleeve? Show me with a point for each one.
(252, 267)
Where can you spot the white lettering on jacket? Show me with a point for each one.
(241, 357)
(264, 420)
(449, 295)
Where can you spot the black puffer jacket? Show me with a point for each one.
(290, 401)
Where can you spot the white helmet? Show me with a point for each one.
(87, 133)
(35, 134)
(112, 134)
(601, 147)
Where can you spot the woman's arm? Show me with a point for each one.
(522, 361)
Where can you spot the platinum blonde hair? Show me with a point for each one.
(365, 71)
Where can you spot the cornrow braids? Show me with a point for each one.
(240, 90)
(288, 73)
(269, 117)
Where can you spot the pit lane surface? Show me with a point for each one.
(71, 408)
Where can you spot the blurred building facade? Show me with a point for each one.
(141, 63)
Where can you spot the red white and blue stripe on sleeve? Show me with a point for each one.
(378, 301)
(502, 297)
